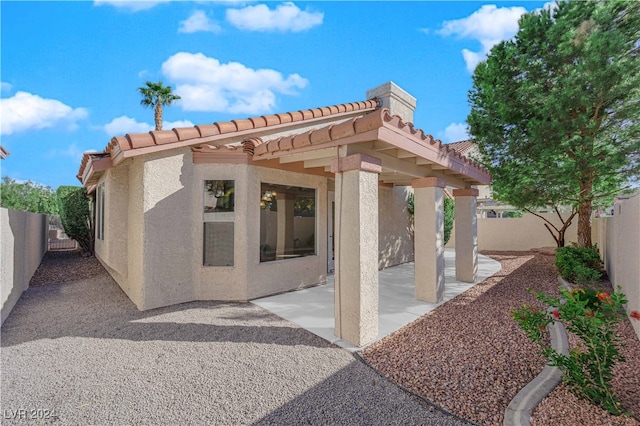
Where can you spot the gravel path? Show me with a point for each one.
(82, 352)
(469, 357)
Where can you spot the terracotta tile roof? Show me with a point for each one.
(463, 147)
(185, 136)
(442, 154)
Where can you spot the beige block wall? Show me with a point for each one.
(518, 234)
(23, 241)
(395, 238)
(619, 241)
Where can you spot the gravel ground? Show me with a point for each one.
(65, 266)
(469, 357)
(79, 352)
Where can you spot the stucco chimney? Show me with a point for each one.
(396, 99)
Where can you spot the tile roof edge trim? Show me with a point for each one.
(140, 140)
(397, 131)
(248, 134)
(121, 155)
(470, 168)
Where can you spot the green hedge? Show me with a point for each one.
(579, 265)
(75, 214)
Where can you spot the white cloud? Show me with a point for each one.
(25, 111)
(205, 84)
(198, 22)
(489, 25)
(130, 5)
(285, 17)
(472, 59)
(175, 124)
(5, 87)
(72, 151)
(455, 132)
(123, 125)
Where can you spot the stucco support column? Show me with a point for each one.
(466, 223)
(285, 205)
(356, 248)
(429, 238)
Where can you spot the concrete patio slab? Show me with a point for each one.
(312, 308)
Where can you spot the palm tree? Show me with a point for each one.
(155, 95)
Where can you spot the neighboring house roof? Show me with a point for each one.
(3, 153)
(311, 140)
(463, 147)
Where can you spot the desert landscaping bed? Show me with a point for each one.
(470, 357)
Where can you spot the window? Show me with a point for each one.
(219, 222)
(100, 212)
(287, 222)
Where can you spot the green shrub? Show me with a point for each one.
(27, 196)
(449, 215)
(516, 214)
(579, 265)
(593, 317)
(75, 214)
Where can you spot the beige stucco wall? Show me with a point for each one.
(23, 243)
(113, 248)
(619, 242)
(356, 281)
(121, 250)
(222, 282)
(518, 234)
(169, 228)
(395, 238)
(153, 244)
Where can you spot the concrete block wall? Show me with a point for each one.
(518, 234)
(23, 242)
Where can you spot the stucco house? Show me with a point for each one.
(237, 210)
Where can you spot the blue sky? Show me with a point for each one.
(70, 70)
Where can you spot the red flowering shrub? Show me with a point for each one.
(587, 372)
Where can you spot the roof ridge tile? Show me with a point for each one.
(208, 130)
